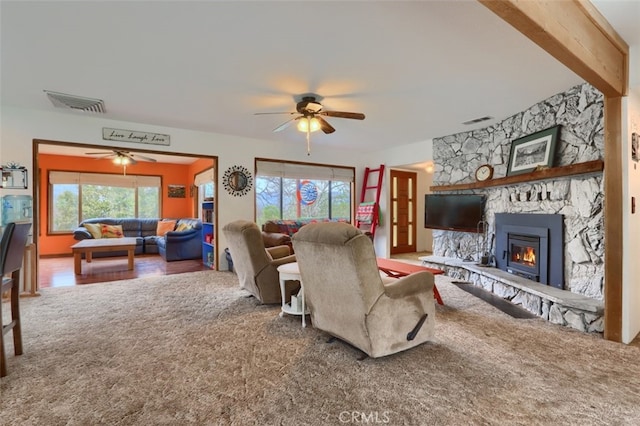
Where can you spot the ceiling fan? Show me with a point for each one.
(121, 157)
(309, 115)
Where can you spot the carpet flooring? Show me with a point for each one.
(195, 349)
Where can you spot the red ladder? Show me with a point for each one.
(368, 214)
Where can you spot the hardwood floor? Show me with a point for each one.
(58, 271)
(411, 257)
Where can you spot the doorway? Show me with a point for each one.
(41, 230)
(403, 211)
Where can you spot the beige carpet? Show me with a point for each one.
(193, 349)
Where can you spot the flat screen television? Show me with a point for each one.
(454, 212)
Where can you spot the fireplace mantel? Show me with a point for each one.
(552, 173)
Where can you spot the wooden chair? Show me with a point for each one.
(12, 246)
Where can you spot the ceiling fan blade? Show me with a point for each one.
(285, 124)
(269, 113)
(325, 126)
(98, 153)
(342, 114)
(142, 157)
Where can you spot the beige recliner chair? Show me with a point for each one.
(348, 298)
(257, 266)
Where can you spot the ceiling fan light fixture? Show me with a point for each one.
(308, 124)
(121, 160)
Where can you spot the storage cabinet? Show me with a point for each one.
(208, 234)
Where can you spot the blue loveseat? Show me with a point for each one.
(174, 245)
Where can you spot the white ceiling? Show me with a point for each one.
(417, 69)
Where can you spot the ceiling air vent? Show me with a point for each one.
(477, 120)
(62, 100)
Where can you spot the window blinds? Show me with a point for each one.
(203, 177)
(129, 181)
(304, 171)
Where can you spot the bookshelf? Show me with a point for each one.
(208, 233)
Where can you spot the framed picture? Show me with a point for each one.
(634, 146)
(532, 151)
(177, 191)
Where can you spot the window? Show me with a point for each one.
(204, 182)
(74, 197)
(292, 191)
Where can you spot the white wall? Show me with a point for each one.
(631, 222)
(21, 126)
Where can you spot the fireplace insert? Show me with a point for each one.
(531, 245)
(524, 256)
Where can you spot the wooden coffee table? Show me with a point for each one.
(397, 269)
(90, 246)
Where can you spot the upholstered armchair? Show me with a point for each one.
(349, 299)
(255, 265)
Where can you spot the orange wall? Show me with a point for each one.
(171, 174)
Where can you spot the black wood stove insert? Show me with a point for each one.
(524, 256)
(531, 246)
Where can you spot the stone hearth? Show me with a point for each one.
(552, 304)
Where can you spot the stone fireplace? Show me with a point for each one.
(530, 245)
(553, 266)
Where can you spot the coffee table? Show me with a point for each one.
(397, 269)
(90, 246)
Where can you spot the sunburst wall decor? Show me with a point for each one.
(237, 181)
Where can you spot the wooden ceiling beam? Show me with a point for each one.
(576, 34)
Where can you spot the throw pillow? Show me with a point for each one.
(112, 231)
(183, 226)
(165, 226)
(95, 229)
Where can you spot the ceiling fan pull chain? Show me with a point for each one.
(308, 142)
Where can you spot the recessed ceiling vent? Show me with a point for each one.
(62, 100)
(477, 120)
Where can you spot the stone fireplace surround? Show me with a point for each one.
(579, 199)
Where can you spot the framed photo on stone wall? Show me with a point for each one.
(533, 151)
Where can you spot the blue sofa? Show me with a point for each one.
(175, 245)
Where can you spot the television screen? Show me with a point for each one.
(454, 212)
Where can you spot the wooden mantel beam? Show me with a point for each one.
(576, 34)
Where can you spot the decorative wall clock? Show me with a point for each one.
(237, 181)
(484, 172)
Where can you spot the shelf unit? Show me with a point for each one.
(208, 234)
(594, 166)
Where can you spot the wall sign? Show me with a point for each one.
(133, 136)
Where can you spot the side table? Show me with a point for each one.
(290, 272)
